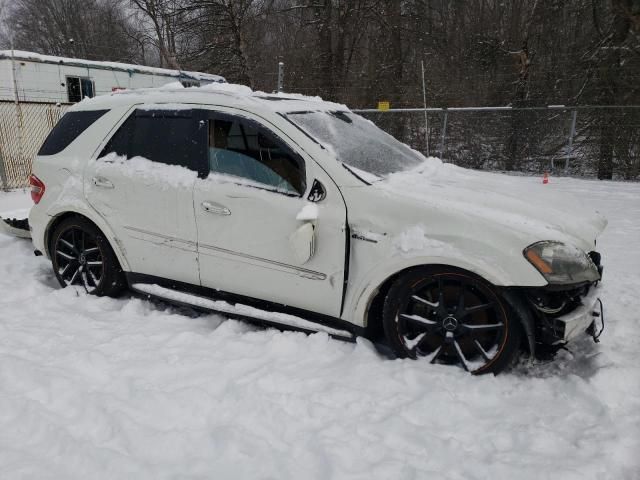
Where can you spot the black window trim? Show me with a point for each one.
(206, 114)
(47, 149)
(195, 113)
(222, 115)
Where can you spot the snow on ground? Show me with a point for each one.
(103, 388)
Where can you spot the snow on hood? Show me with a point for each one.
(523, 204)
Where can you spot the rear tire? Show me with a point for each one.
(449, 316)
(82, 256)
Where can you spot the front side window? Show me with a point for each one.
(243, 149)
(79, 88)
(172, 137)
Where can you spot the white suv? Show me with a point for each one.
(297, 212)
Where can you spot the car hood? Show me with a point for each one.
(524, 205)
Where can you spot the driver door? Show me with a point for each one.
(247, 214)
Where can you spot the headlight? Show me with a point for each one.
(560, 263)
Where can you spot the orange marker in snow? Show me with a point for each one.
(545, 178)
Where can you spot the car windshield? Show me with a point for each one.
(357, 142)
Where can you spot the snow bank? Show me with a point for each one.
(127, 388)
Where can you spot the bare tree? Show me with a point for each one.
(92, 29)
(160, 17)
(477, 53)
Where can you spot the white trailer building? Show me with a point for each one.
(36, 90)
(45, 78)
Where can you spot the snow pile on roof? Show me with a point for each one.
(233, 88)
(37, 57)
(164, 93)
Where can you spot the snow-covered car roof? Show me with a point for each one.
(117, 66)
(225, 94)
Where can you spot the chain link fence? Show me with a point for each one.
(588, 141)
(23, 128)
(579, 141)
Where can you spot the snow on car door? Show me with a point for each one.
(251, 233)
(142, 184)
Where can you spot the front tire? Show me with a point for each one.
(449, 316)
(82, 256)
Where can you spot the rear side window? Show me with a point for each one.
(70, 126)
(172, 137)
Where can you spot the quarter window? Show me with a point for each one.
(243, 149)
(173, 137)
(70, 126)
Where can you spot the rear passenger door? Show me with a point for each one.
(142, 181)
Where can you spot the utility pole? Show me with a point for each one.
(572, 132)
(13, 75)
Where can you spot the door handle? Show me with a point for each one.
(212, 207)
(102, 182)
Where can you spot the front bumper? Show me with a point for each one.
(579, 321)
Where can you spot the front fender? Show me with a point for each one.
(359, 299)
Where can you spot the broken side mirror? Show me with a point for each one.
(303, 242)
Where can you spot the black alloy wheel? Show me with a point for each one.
(450, 317)
(81, 256)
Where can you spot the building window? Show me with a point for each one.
(79, 88)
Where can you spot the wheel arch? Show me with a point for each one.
(374, 301)
(98, 223)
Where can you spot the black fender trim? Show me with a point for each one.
(524, 315)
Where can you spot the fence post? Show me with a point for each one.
(572, 132)
(3, 175)
(444, 132)
(424, 101)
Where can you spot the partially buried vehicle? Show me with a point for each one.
(299, 213)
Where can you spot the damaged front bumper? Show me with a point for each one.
(564, 312)
(583, 319)
(564, 315)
